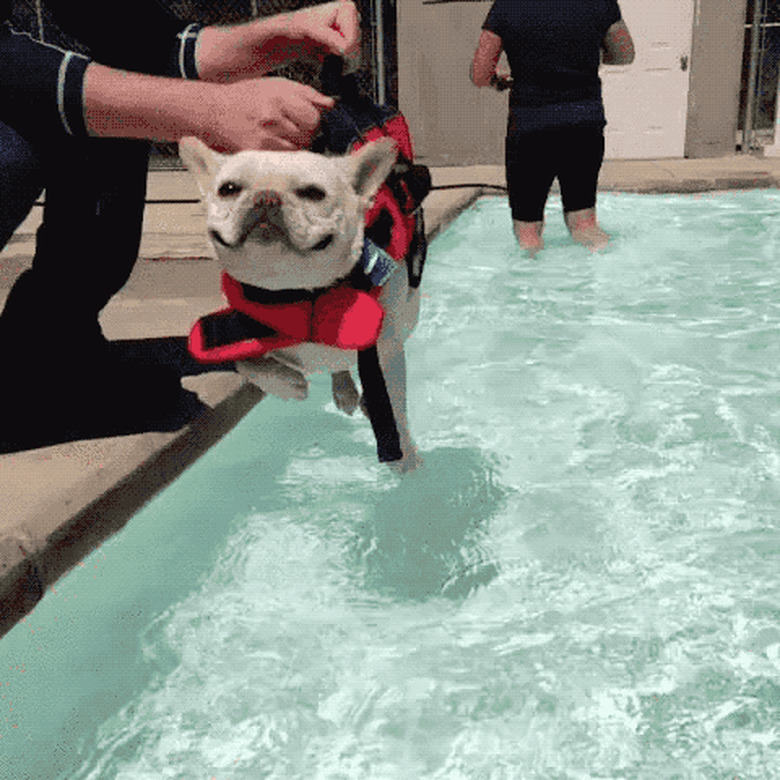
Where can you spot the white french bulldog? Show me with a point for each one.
(295, 221)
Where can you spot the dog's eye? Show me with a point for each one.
(311, 192)
(324, 243)
(229, 189)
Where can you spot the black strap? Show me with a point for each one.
(378, 406)
(418, 251)
(265, 296)
(230, 327)
(410, 184)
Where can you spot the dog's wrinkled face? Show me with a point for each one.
(283, 220)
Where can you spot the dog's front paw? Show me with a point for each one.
(275, 378)
(411, 460)
(345, 395)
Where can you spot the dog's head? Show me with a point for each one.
(283, 220)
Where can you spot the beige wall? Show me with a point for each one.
(454, 123)
(460, 124)
(716, 68)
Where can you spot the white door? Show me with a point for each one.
(647, 102)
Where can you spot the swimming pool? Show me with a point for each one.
(581, 583)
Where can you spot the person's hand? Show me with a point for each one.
(501, 81)
(269, 113)
(253, 49)
(333, 28)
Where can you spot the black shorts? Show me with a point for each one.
(533, 160)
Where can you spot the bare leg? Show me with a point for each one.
(393, 362)
(396, 301)
(529, 235)
(585, 230)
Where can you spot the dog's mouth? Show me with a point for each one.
(264, 232)
(216, 236)
(323, 243)
(260, 232)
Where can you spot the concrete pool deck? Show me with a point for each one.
(61, 500)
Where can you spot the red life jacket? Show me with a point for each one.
(339, 316)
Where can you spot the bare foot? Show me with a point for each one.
(529, 236)
(585, 230)
(412, 460)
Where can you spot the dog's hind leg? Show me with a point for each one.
(346, 396)
(401, 309)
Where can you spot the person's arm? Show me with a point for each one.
(618, 46)
(245, 111)
(483, 66)
(269, 113)
(254, 48)
(148, 39)
(45, 90)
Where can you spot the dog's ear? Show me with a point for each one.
(200, 160)
(371, 166)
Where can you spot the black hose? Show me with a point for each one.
(469, 186)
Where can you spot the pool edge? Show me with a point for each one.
(136, 470)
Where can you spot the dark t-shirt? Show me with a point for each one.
(553, 51)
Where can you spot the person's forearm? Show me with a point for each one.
(483, 69)
(252, 49)
(120, 104)
(227, 53)
(480, 77)
(259, 46)
(483, 66)
(267, 113)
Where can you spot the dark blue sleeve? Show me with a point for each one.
(139, 36)
(496, 19)
(42, 86)
(612, 13)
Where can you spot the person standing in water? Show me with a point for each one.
(556, 112)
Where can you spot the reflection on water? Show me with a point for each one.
(581, 583)
(424, 537)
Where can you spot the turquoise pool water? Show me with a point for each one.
(583, 582)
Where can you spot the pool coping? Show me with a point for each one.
(61, 502)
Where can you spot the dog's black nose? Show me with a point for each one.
(264, 221)
(267, 209)
(267, 199)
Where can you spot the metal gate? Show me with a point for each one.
(758, 98)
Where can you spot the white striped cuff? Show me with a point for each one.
(188, 39)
